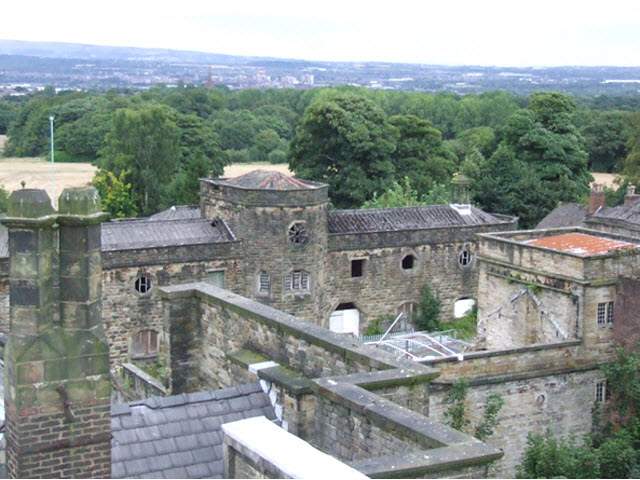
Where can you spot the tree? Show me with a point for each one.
(631, 164)
(146, 143)
(115, 193)
(429, 310)
(540, 162)
(404, 195)
(420, 153)
(605, 135)
(344, 139)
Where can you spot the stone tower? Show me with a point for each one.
(57, 385)
(282, 222)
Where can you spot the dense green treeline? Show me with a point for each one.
(523, 154)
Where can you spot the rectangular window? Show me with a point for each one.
(602, 391)
(264, 283)
(216, 278)
(357, 267)
(605, 313)
(296, 281)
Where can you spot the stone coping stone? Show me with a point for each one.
(272, 448)
(288, 379)
(144, 376)
(347, 348)
(514, 377)
(412, 465)
(389, 378)
(390, 416)
(507, 351)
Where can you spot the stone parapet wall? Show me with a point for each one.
(354, 415)
(562, 402)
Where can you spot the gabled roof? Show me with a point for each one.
(268, 180)
(180, 436)
(627, 213)
(564, 215)
(179, 212)
(145, 233)
(407, 218)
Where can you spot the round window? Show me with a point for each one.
(143, 284)
(298, 234)
(465, 258)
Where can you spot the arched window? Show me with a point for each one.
(408, 262)
(144, 343)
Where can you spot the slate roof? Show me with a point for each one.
(405, 218)
(628, 213)
(268, 180)
(179, 436)
(564, 215)
(145, 233)
(179, 212)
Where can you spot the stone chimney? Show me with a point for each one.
(57, 384)
(597, 197)
(631, 195)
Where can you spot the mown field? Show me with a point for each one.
(37, 172)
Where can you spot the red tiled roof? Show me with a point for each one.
(581, 244)
(268, 180)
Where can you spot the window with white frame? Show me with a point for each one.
(605, 313)
(296, 281)
(602, 393)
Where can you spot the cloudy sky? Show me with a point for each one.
(451, 32)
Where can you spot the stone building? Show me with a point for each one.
(272, 238)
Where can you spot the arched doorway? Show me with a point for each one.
(345, 319)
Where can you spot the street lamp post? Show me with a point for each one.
(53, 168)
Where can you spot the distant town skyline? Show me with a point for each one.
(490, 32)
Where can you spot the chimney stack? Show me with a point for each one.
(631, 195)
(597, 197)
(57, 383)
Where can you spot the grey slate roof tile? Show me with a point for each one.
(181, 459)
(180, 436)
(267, 180)
(179, 472)
(117, 469)
(178, 212)
(145, 233)
(564, 215)
(628, 213)
(405, 218)
(198, 471)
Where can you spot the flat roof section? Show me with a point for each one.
(581, 244)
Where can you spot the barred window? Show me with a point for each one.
(264, 282)
(602, 393)
(142, 284)
(298, 234)
(296, 281)
(465, 258)
(605, 313)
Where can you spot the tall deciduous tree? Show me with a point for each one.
(541, 161)
(420, 154)
(147, 143)
(346, 141)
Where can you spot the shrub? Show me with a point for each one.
(429, 309)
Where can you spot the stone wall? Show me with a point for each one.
(126, 312)
(561, 402)
(355, 415)
(626, 316)
(4, 304)
(384, 285)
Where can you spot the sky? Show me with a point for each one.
(449, 32)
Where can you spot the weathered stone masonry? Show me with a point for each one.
(57, 386)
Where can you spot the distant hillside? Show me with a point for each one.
(97, 52)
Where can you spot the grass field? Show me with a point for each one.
(36, 172)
